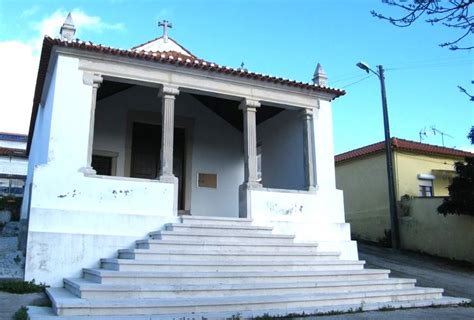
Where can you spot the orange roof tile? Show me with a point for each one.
(403, 145)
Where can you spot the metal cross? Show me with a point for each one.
(165, 24)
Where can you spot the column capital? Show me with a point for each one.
(307, 113)
(249, 105)
(167, 90)
(92, 79)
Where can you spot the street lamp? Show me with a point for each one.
(388, 156)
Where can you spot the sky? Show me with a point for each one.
(284, 38)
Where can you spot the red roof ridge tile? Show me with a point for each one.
(404, 145)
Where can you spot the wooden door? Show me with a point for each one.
(146, 148)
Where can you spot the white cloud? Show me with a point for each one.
(19, 65)
(31, 11)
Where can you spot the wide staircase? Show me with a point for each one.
(217, 268)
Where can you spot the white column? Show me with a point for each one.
(94, 80)
(323, 144)
(168, 95)
(308, 149)
(249, 108)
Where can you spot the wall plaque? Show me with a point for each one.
(207, 180)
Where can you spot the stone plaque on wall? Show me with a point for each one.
(207, 180)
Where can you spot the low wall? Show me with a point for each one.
(77, 220)
(424, 229)
(310, 216)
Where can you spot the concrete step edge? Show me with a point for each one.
(205, 243)
(238, 235)
(220, 254)
(112, 273)
(232, 263)
(217, 226)
(62, 298)
(83, 284)
(46, 313)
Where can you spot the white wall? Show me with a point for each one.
(311, 217)
(74, 220)
(12, 144)
(12, 165)
(217, 147)
(281, 138)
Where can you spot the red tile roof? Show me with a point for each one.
(403, 145)
(173, 58)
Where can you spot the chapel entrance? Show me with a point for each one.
(146, 148)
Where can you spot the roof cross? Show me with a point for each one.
(165, 24)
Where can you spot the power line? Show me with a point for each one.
(355, 82)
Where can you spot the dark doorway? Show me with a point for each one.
(146, 148)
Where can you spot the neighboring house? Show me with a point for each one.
(13, 164)
(422, 174)
(125, 144)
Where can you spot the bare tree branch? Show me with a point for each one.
(451, 14)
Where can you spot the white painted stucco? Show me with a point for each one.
(281, 139)
(13, 166)
(75, 219)
(311, 217)
(217, 147)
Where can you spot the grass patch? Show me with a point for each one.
(21, 314)
(21, 287)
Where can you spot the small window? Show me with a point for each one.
(102, 165)
(426, 188)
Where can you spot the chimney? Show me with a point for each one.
(67, 29)
(320, 78)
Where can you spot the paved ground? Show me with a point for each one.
(458, 281)
(10, 303)
(11, 260)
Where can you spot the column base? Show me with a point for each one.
(250, 186)
(88, 171)
(168, 179)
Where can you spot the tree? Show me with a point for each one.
(461, 191)
(470, 136)
(452, 14)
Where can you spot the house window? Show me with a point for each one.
(426, 188)
(102, 165)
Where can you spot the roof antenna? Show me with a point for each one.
(435, 131)
(67, 30)
(165, 24)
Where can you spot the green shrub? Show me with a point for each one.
(21, 287)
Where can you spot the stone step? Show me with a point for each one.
(90, 290)
(228, 266)
(65, 303)
(226, 238)
(218, 229)
(204, 246)
(47, 313)
(216, 256)
(215, 220)
(180, 278)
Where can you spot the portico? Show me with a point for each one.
(142, 136)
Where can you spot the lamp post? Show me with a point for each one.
(388, 155)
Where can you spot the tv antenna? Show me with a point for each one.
(436, 131)
(424, 133)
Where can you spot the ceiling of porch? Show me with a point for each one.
(224, 108)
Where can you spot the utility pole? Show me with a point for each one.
(388, 155)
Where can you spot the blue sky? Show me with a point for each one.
(282, 38)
